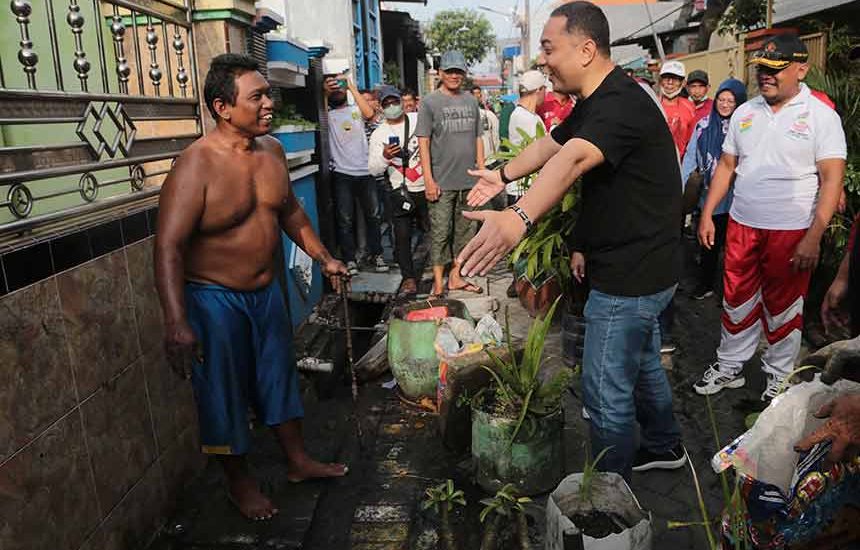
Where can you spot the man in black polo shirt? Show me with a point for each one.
(628, 233)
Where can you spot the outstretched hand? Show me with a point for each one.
(499, 234)
(842, 428)
(489, 185)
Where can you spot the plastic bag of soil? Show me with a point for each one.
(790, 498)
(611, 519)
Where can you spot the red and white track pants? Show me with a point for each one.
(761, 291)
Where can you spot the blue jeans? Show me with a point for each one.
(623, 380)
(363, 188)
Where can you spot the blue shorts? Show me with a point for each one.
(248, 360)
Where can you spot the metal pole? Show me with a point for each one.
(347, 323)
(769, 15)
(526, 34)
(657, 41)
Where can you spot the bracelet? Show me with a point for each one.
(523, 216)
(504, 177)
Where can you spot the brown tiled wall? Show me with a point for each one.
(97, 436)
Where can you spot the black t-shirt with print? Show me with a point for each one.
(630, 220)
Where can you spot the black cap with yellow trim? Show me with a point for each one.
(780, 51)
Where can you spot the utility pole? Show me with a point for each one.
(525, 28)
(657, 41)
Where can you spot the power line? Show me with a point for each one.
(664, 16)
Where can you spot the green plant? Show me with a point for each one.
(391, 73)
(544, 252)
(442, 498)
(287, 115)
(505, 503)
(586, 485)
(842, 86)
(519, 392)
(742, 15)
(732, 501)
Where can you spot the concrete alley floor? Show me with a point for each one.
(399, 455)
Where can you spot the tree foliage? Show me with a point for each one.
(730, 16)
(463, 29)
(743, 16)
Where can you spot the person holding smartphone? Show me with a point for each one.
(394, 154)
(350, 175)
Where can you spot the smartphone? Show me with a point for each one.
(393, 140)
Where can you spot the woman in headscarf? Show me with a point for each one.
(703, 154)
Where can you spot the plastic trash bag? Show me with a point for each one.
(790, 497)
(489, 330)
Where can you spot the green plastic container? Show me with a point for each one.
(411, 352)
(533, 463)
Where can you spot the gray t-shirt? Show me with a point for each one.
(453, 124)
(347, 141)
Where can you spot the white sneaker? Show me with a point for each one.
(352, 268)
(379, 265)
(715, 380)
(774, 387)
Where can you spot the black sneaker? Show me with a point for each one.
(670, 460)
(702, 292)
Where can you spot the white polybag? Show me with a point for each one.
(766, 451)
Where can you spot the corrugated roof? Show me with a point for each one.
(786, 10)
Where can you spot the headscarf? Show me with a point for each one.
(710, 142)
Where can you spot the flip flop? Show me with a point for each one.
(468, 287)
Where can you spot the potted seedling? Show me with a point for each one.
(505, 505)
(517, 422)
(443, 498)
(541, 261)
(295, 133)
(596, 510)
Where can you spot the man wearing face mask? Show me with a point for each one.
(351, 178)
(394, 155)
(680, 113)
(785, 151)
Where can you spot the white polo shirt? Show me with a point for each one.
(777, 179)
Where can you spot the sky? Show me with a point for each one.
(502, 25)
(625, 16)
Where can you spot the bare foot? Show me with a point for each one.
(438, 290)
(252, 504)
(311, 469)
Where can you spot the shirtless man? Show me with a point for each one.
(222, 209)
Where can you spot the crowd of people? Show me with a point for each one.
(400, 163)
(770, 172)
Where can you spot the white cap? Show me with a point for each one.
(531, 81)
(674, 68)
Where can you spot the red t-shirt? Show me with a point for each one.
(703, 109)
(552, 112)
(681, 117)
